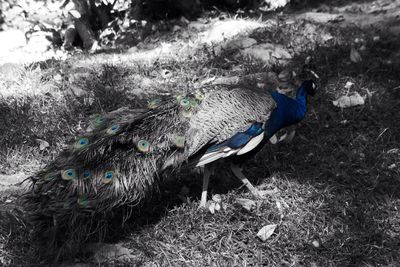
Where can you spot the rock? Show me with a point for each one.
(133, 49)
(321, 17)
(244, 42)
(39, 42)
(316, 244)
(225, 30)
(348, 85)
(271, 5)
(269, 53)
(11, 40)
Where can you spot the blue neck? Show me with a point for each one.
(288, 111)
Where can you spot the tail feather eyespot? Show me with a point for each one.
(108, 177)
(179, 97)
(67, 204)
(187, 113)
(143, 146)
(99, 120)
(83, 201)
(81, 143)
(49, 176)
(194, 102)
(113, 129)
(86, 174)
(184, 102)
(199, 96)
(179, 141)
(68, 174)
(154, 103)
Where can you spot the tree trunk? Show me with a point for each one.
(83, 24)
(69, 37)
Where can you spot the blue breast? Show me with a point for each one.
(288, 111)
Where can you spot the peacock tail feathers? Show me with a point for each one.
(115, 164)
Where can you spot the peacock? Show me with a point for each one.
(119, 163)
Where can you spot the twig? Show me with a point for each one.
(381, 134)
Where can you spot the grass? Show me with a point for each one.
(336, 184)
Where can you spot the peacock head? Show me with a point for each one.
(310, 87)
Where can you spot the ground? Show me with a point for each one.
(333, 190)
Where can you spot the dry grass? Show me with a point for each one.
(336, 184)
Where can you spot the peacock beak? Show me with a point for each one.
(313, 88)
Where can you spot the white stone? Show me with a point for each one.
(269, 53)
(349, 101)
(241, 43)
(11, 39)
(227, 29)
(38, 42)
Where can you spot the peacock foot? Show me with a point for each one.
(213, 205)
(202, 205)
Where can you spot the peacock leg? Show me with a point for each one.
(206, 179)
(239, 174)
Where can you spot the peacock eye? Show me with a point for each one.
(113, 129)
(81, 143)
(83, 201)
(185, 102)
(86, 174)
(199, 96)
(67, 205)
(194, 102)
(68, 174)
(143, 146)
(99, 120)
(179, 141)
(108, 177)
(154, 103)
(179, 97)
(187, 113)
(49, 177)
